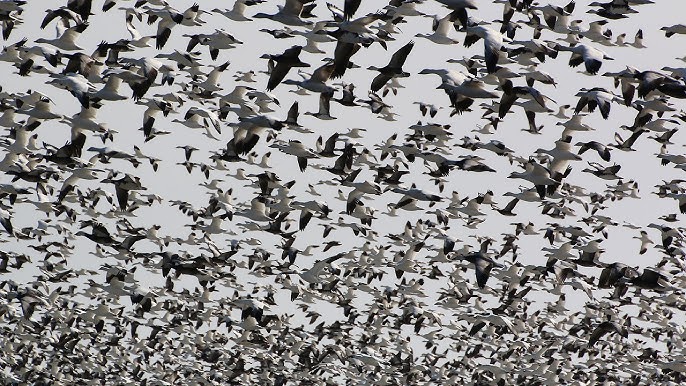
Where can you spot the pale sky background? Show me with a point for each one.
(172, 182)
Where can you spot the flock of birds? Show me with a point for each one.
(386, 238)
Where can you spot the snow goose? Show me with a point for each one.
(552, 12)
(596, 97)
(561, 151)
(297, 149)
(236, 13)
(211, 82)
(317, 81)
(606, 173)
(537, 174)
(483, 264)
(493, 43)
(76, 84)
(440, 28)
(324, 105)
(137, 40)
(674, 29)
(67, 41)
(582, 53)
(219, 40)
(110, 91)
(511, 93)
(596, 34)
(289, 13)
(637, 43)
(612, 10)
(459, 9)
(122, 186)
(602, 150)
(65, 14)
(393, 68)
(284, 63)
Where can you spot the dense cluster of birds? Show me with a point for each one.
(170, 217)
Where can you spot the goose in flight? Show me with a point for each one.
(219, 40)
(537, 174)
(591, 57)
(284, 63)
(493, 43)
(440, 28)
(122, 186)
(67, 41)
(615, 9)
(637, 43)
(237, 13)
(596, 97)
(459, 9)
(602, 150)
(65, 14)
(317, 81)
(77, 85)
(297, 149)
(349, 9)
(604, 328)
(393, 68)
(606, 173)
(674, 29)
(552, 13)
(324, 106)
(511, 93)
(460, 88)
(290, 13)
(483, 264)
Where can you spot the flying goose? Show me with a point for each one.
(393, 68)
(65, 14)
(290, 13)
(324, 106)
(440, 27)
(297, 149)
(561, 151)
(674, 29)
(596, 34)
(317, 81)
(511, 93)
(349, 9)
(284, 63)
(249, 129)
(537, 174)
(606, 173)
(461, 89)
(67, 41)
(551, 13)
(602, 150)
(483, 264)
(209, 117)
(77, 85)
(219, 40)
(637, 43)
(342, 54)
(168, 19)
(425, 108)
(582, 53)
(605, 328)
(237, 12)
(459, 9)
(613, 9)
(596, 97)
(493, 43)
(122, 186)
